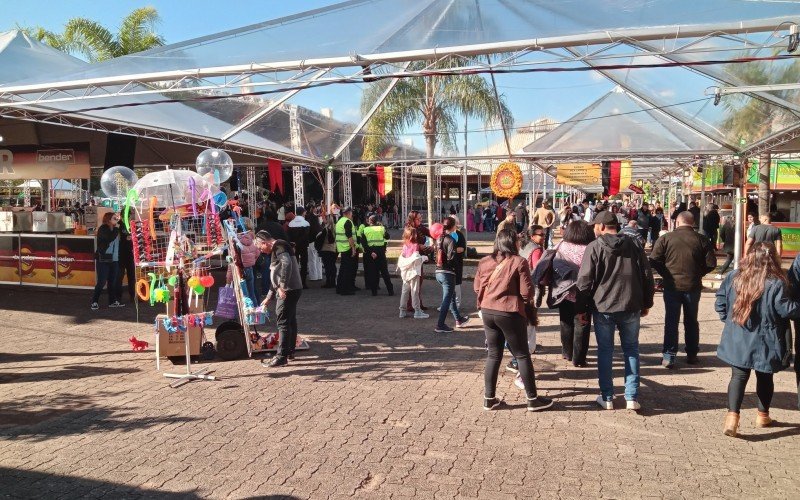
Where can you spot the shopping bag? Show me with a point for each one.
(226, 303)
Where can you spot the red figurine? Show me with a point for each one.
(138, 345)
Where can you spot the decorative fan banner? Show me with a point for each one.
(620, 176)
(275, 168)
(579, 174)
(506, 180)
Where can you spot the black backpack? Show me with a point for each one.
(319, 240)
(542, 274)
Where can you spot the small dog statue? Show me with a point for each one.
(138, 345)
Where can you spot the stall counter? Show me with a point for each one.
(52, 260)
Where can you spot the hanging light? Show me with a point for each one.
(794, 38)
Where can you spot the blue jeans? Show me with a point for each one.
(628, 324)
(673, 301)
(448, 282)
(265, 283)
(250, 279)
(107, 274)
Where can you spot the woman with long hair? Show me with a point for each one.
(410, 267)
(446, 270)
(572, 308)
(327, 251)
(755, 302)
(505, 291)
(414, 221)
(107, 261)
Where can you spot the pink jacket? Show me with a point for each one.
(249, 251)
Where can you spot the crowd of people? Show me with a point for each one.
(599, 274)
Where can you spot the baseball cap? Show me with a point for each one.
(606, 218)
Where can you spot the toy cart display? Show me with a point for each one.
(175, 231)
(251, 333)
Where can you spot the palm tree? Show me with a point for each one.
(97, 43)
(749, 119)
(435, 102)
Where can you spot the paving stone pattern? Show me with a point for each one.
(379, 408)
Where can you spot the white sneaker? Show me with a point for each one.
(632, 405)
(606, 405)
(421, 315)
(403, 313)
(718, 276)
(518, 383)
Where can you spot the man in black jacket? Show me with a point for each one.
(616, 276)
(682, 258)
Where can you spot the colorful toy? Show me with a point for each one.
(138, 345)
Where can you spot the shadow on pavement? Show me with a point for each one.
(38, 419)
(16, 483)
(70, 372)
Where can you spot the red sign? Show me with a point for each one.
(28, 162)
(636, 189)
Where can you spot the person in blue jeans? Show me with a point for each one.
(682, 257)
(615, 277)
(446, 264)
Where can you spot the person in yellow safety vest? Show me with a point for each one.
(360, 246)
(375, 240)
(347, 248)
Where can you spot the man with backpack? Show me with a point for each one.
(616, 276)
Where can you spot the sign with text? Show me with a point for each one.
(37, 260)
(579, 174)
(75, 262)
(27, 162)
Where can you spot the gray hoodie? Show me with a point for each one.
(616, 275)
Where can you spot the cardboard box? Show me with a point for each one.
(172, 344)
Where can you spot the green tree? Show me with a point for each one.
(97, 43)
(435, 102)
(749, 119)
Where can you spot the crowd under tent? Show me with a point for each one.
(725, 70)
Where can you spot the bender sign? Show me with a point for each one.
(22, 163)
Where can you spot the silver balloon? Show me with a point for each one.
(215, 165)
(116, 181)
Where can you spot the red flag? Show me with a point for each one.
(381, 181)
(275, 168)
(613, 186)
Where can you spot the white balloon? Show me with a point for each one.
(214, 165)
(116, 181)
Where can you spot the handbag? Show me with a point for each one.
(226, 303)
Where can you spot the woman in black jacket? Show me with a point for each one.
(755, 302)
(107, 261)
(446, 267)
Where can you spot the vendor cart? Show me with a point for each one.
(253, 332)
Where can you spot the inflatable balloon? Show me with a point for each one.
(207, 281)
(116, 181)
(214, 165)
(436, 230)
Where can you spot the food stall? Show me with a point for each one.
(39, 245)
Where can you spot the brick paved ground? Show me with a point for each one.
(379, 408)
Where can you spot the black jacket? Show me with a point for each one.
(446, 254)
(615, 274)
(682, 258)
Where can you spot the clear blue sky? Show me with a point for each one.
(530, 97)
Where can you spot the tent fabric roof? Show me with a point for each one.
(19, 54)
(619, 123)
(396, 26)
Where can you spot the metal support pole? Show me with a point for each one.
(297, 171)
(404, 207)
(252, 188)
(464, 213)
(739, 225)
(702, 197)
(328, 187)
(347, 183)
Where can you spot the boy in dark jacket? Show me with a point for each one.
(616, 276)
